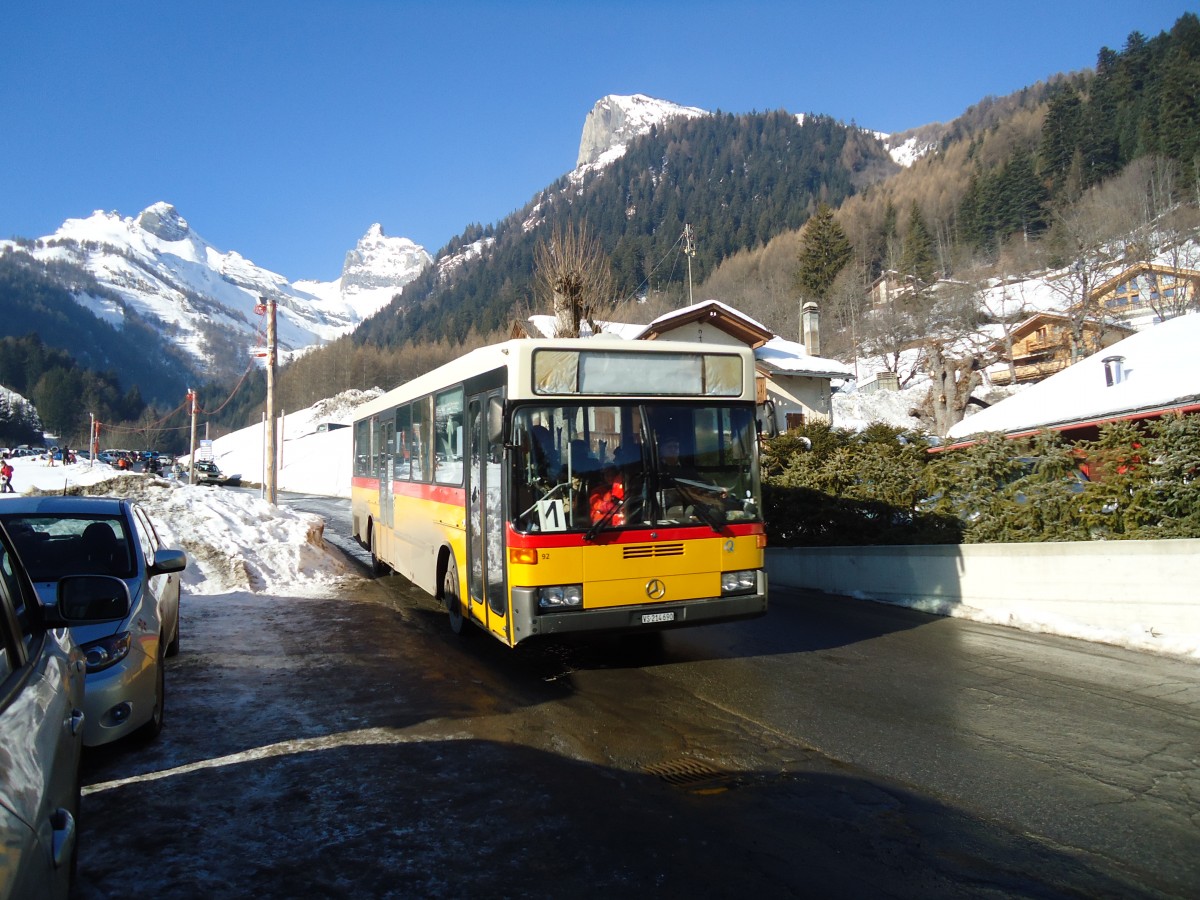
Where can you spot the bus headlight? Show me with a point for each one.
(742, 581)
(560, 596)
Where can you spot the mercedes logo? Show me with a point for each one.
(655, 589)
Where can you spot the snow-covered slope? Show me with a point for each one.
(205, 299)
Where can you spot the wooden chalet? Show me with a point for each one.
(1041, 346)
(1133, 294)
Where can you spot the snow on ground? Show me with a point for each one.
(235, 540)
(308, 461)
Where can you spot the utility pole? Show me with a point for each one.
(269, 488)
(192, 447)
(689, 249)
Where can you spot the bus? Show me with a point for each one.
(557, 486)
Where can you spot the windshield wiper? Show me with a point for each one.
(714, 518)
(616, 507)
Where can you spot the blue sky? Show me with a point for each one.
(283, 129)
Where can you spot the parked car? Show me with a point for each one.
(58, 536)
(208, 473)
(42, 721)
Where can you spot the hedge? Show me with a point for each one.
(832, 487)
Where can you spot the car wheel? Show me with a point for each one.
(151, 729)
(451, 598)
(173, 647)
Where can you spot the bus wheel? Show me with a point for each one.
(451, 598)
(378, 566)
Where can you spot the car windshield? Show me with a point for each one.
(52, 546)
(592, 467)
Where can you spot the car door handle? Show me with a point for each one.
(76, 721)
(62, 823)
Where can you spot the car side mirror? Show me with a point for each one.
(166, 561)
(85, 599)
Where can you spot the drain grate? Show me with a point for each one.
(687, 773)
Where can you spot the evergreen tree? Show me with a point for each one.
(917, 257)
(1062, 136)
(1132, 111)
(58, 396)
(1103, 155)
(1021, 198)
(824, 254)
(1179, 106)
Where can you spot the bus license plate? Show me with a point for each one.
(647, 618)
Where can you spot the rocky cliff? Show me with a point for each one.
(615, 120)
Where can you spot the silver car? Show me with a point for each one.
(42, 722)
(58, 536)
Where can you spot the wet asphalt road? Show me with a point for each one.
(833, 748)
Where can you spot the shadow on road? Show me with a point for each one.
(430, 816)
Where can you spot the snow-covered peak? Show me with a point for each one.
(378, 268)
(617, 119)
(163, 221)
(379, 257)
(206, 298)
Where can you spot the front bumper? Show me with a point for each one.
(129, 685)
(704, 611)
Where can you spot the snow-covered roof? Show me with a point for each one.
(780, 356)
(689, 311)
(1159, 371)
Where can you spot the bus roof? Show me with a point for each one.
(516, 355)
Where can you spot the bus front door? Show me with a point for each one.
(486, 584)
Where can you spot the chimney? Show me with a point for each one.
(810, 328)
(1114, 370)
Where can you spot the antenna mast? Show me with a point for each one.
(689, 249)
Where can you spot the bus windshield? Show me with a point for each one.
(593, 467)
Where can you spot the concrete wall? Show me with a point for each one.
(1144, 594)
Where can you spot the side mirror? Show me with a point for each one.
(85, 599)
(166, 561)
(495, 420)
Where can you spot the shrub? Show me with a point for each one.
(825, 486)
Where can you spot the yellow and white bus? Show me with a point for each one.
(543, 487)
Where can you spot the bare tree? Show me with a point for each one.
(1004, 302)
(1083, 232)
(891, 330)
(1161, 232)
(953, 379)
(956, 349)
(1137, 200)
(573, 277)
(1182, 253)
(848, 308)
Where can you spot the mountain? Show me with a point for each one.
(616, 120)
(156, 267)
(153, 270)
(654, 168)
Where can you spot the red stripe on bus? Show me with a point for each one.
(639, 535)
(441, 493)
